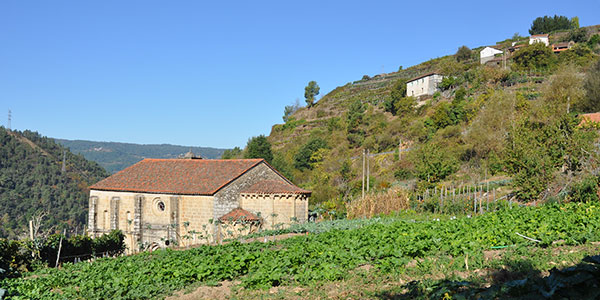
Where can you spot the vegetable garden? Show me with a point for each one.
(388, 245)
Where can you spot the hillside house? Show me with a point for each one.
(560, 47)
(423, 85)
(590, 119)
(487, 54)
(162, 201)
(539, 38)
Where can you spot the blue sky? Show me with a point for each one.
(199, 73)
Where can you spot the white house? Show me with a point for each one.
(539, 38)
(423, 85)
(487, 54)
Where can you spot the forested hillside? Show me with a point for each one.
(117, 156)
(516, 123)
(32, 182)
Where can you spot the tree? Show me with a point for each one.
(398, 95)
(591, 85)
(564, 92)
(575, 22)
(463, 53)
(290, 110)
(578, 35)
(433, 164)
(232, 153)
(259, 147)
(534, 56)
(548, 24)
(536, 151)
(302, 159)
(310, 91)
(354, 118)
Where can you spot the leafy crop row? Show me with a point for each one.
(330, 255)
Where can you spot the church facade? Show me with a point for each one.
(183, 202)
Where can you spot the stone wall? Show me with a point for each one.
(227, 198)
(277, 210)
(150, 218)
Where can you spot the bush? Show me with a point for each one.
(14, 258)
(463, 53)
(110, 244)
(585, 190)
(534, 56)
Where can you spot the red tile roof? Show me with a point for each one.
(177, 176)
(590, 118)
(274, 187)
(239, 214)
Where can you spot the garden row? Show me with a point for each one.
(330, 255)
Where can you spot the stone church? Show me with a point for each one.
(179, 201)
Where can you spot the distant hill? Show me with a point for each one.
(32, 181)
(117, 156)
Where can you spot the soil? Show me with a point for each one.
(220, 292)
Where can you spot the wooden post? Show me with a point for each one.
(60, 247)
(368, 170)
(475, 201)
(363, 175)
(481, 200)
(487, 191)
(400, 149)
(31, 230)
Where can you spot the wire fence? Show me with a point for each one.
(463, 199)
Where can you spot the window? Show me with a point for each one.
(106, 221)
(158, 206)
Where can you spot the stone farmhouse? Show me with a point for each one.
(162, 201)
(423, 85)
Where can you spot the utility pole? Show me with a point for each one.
(9, 119)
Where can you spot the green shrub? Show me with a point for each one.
(585, 190)
(534, 56)
(14, 258)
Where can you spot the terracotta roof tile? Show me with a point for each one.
(274, 187)
(177, 176)
(239, 214)
(590, 118)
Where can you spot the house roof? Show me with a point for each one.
(178, 176)
(590, 118)
(424, 75)
(539, 35)
(491, 47)
(561, 44)
(273, 187)
(239, 214)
